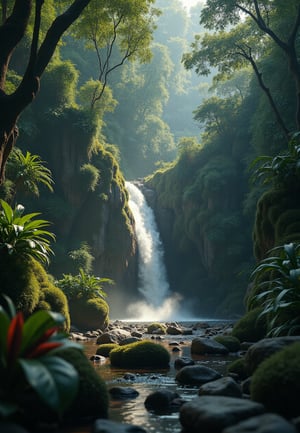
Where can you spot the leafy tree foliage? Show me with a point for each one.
(253, 27)
(14, 25)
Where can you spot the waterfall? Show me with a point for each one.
(153, 282)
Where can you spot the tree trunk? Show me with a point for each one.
(11, 32)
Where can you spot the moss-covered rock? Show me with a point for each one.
(238, 366)
(156, 328)
(87, 314)
(19, 281)
(277, 220)
(92, 398)
(250, 327)
(57, 301)
(50, 297)
(105, 349)
(142, 354)
(232, 343)
(276, 382)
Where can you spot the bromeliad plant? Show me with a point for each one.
(277, 282)
(29, 362)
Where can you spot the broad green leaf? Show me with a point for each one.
(37, 324)
(65, 377)
(7, 210)
(42, 381)
(4, 325)
(10, 308)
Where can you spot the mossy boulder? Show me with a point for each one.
(19, 281)
(87, 314)
(105, 349)
(238, 366)
(142, 354)
(156, 328)
(277, 220)
(232, 343)
(52, 298)
(92, 398)
(250, 327)
(276, 382)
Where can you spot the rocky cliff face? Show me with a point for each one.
(198, 207)
(89, 203)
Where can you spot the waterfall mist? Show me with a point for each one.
(153, 282)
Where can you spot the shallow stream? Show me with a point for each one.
(133, 411)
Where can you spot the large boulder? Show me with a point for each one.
(106, 426)
(142, 354)
(214, 413)
(163, 401)
(203, 346)
(196, 375)
(91, 401)
(261, 350)
(115, 335)
(266, 423)
(89, 314)
(225, 386)
(276, 382)
(251, 327)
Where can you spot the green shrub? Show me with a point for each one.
(238, 366)
(250, 327)
(276, 382)
(92, 397)
(276, 280)
(105, 349)
(156, 328)
(142, 354)
(232, 343)
(88, 178)
(87, 314)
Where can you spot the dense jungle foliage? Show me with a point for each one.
(129, 93)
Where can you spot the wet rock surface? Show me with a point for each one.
(196, 375)
(219, 402)
(225, 386)
(214, 413)
(266, 423)
(106, 426)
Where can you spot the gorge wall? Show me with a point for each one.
(207, 239)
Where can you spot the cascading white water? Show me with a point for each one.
(153, 283)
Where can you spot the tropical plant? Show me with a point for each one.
(28, 361)
(83, 285)
(282, 169)
(82, 258)
(27, 172)
(277, 281)
(22, 235)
